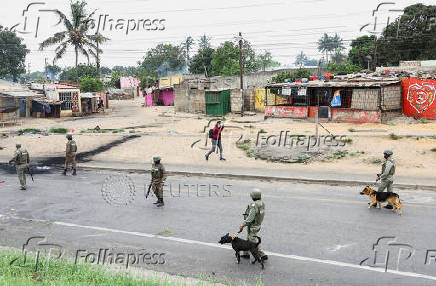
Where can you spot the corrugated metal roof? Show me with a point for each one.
(351, 83)
(17, 93)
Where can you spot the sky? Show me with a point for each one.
(285, 28)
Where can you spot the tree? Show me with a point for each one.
(265, 60)
(361, 49)
(105, 71)
(12, 55)
(410, 37)
(328, 44)
(291, 76)
(201, 63)
(204, 42)
(187, 44)
(53, 70)
(82, 70)
(338, 57)
(126, 71)
(77, 34)
(226, 59)
(90, 84)
(345, 67)
(163, 58)
(301, 59)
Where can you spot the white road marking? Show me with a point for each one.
(216, 245)
(339, 247)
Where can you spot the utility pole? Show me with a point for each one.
(98, 60)
(241, 73)
(375, 52)
(46, 69)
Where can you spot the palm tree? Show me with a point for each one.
(301, 59)
(324, 45)
(76, 34)
(204, 42)
(187, 44)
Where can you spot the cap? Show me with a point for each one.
(256, 194)
(155, 159)
(388, 152)
(69, 136)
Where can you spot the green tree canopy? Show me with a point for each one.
(411, 36)
(82, 70)
(225, 60)
(90, 84)
(163, 58)
(201, 63)
(362, 50)
(12, 55)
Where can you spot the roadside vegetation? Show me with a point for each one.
(66, 272)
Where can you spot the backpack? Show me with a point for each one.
(211, 133)
(73, 147)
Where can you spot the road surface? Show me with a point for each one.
(314, 234)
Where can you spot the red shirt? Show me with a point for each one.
(216, 135)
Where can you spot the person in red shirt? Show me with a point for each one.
(216, 140)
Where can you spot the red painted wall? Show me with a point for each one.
(355, 116)
(312, 111)
(419, 98)
(287, 111)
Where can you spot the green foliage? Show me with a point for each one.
(66, 272)
(338, 155)
(351, 130)
(12, 55)
(201, 63)
(265, 60)
(433, 149)
(245, 146)
(77, 33)
(361, 48)
(28, 130)
(90, 84)
(394, 136)
(118, 131)
(374, 161)
(82, 70)
(328, 44)
(95, 131)
(162, 59)
(301, 59)
(343, 68)
(225, 61)
(282, 77)
(60, 130)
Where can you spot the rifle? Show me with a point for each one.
(149, 189)
(30, 173)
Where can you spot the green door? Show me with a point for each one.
(217, 103)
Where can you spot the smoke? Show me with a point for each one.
(165, 70)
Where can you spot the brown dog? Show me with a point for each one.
(381, 197)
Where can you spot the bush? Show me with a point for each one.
(60, 130)
(28, 130)
(343, 68)
(90, 84)
(394, 136)
(433, 149)
(282, 77)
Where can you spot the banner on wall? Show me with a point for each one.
(419, 98)
(336, 101)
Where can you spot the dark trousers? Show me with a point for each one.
(216, 143)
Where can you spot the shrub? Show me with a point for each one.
(60, 130)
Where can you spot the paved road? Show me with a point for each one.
(315, 235)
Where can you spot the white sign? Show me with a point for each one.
(302, 91)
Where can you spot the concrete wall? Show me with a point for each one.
(190, 100)
(355, 116)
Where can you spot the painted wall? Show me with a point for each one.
(149, 99)
(167, 97)
(259, 99)
(355, 116)
(169, 81)
(419, 98)
(287, 111)
(129, 82)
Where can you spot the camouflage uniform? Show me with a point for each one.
(21, 158)
(70, 154)
(253, 218)
(387, 173)
(158, 177)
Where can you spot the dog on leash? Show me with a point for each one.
(239, 244)
(381, 197)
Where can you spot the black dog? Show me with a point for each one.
(243, 245)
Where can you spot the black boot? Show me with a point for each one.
(389, 207)
(156, 202)
(160, 203)
(65, 172)
(74, 172)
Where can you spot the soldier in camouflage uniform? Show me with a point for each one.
(253, 218)
(21, 159)
(386, 177)
(70, 154)
(158, 177)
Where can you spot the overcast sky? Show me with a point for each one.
(283, 27)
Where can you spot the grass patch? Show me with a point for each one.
(166, 231)
(59, 130)
(356, 154)
(394, 136)
(94, 131)
(351, 130)
(132, 131)
(338, 155)
(262, 131)
(303, 158)
(425, 121)
(347, 140)
(66, 272)
(432, 137)
(374, 161)
(28, 130)
(246, 147)
(433, 149)
(118, 131)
